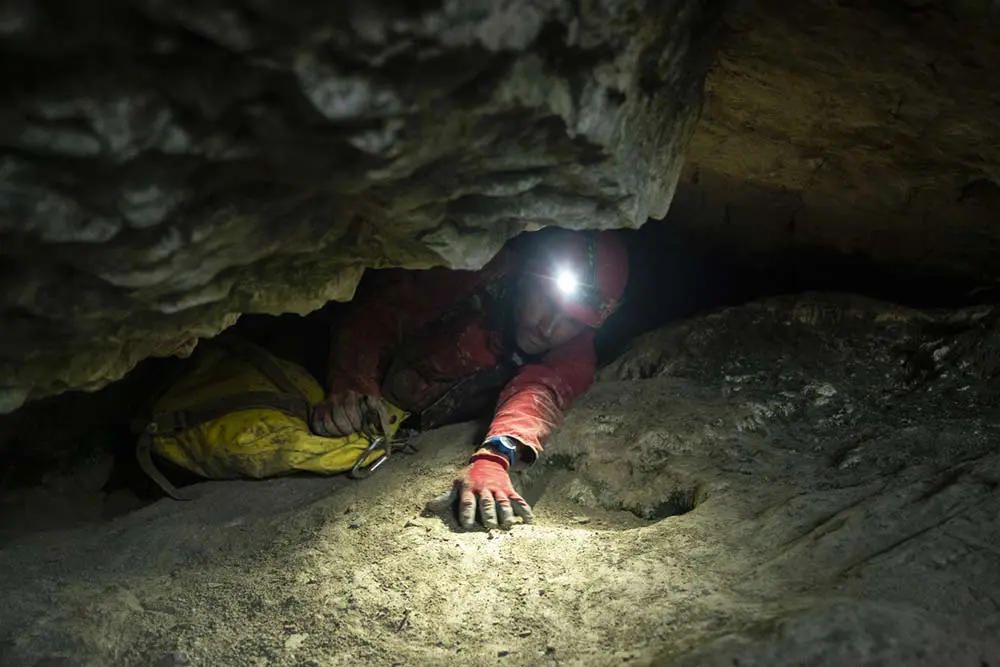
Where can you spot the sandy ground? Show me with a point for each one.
(803, 481)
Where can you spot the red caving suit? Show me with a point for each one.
(413, 336)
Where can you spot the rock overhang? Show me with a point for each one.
(170, 166)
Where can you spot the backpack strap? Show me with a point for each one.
(290, 401)
(144, 455)
(262, 360)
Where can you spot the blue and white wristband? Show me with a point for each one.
(504, 445)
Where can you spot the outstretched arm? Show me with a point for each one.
(530, 408)
(532, 404)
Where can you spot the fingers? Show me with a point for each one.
(376, 415)
(316, 420)
(521, 508)
(345, 413)
(372, 423)
(350, 412)
(355, 409)
(467, 507)
(496, 508)
(336, 416)
(505, 514)
(321, 420)
(338, 421)
(487, 509)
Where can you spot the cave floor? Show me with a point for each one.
(807, 480)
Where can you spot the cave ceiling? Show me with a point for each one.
(868, 128)
(168, 166)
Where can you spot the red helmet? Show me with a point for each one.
(584, 272)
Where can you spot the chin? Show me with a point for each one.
(529, 347)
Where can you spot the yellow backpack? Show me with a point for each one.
(241, 412)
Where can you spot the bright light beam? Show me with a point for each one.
(566, 282)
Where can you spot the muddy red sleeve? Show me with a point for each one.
(532, 404)
(389, 306)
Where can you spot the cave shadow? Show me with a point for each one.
(675, 273)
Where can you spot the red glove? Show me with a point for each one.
(486, 479)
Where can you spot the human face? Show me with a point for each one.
(540, 324)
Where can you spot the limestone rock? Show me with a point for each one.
(167, 166)
(866, 128)
(845, 632)
(806, 480)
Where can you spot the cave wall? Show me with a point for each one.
(166, 166)
(869, 129)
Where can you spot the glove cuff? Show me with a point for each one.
(490, 456)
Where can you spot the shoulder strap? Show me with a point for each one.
(262, 361)
(144, 454)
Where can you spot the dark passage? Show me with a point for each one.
(790, 452)
(674, 274)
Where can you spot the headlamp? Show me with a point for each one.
(567, 282)
(574, 282)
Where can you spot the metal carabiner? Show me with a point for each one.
(388, 446)
(361, 471)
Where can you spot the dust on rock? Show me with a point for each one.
(810, 537)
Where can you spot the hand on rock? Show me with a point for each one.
(486, 485)
(349, 412)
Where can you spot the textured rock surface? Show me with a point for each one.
(840, 456)
(863, 127)
(166, 166)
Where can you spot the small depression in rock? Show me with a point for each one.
(679, 501)
(217, 219)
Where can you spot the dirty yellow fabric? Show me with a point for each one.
(255, 442)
